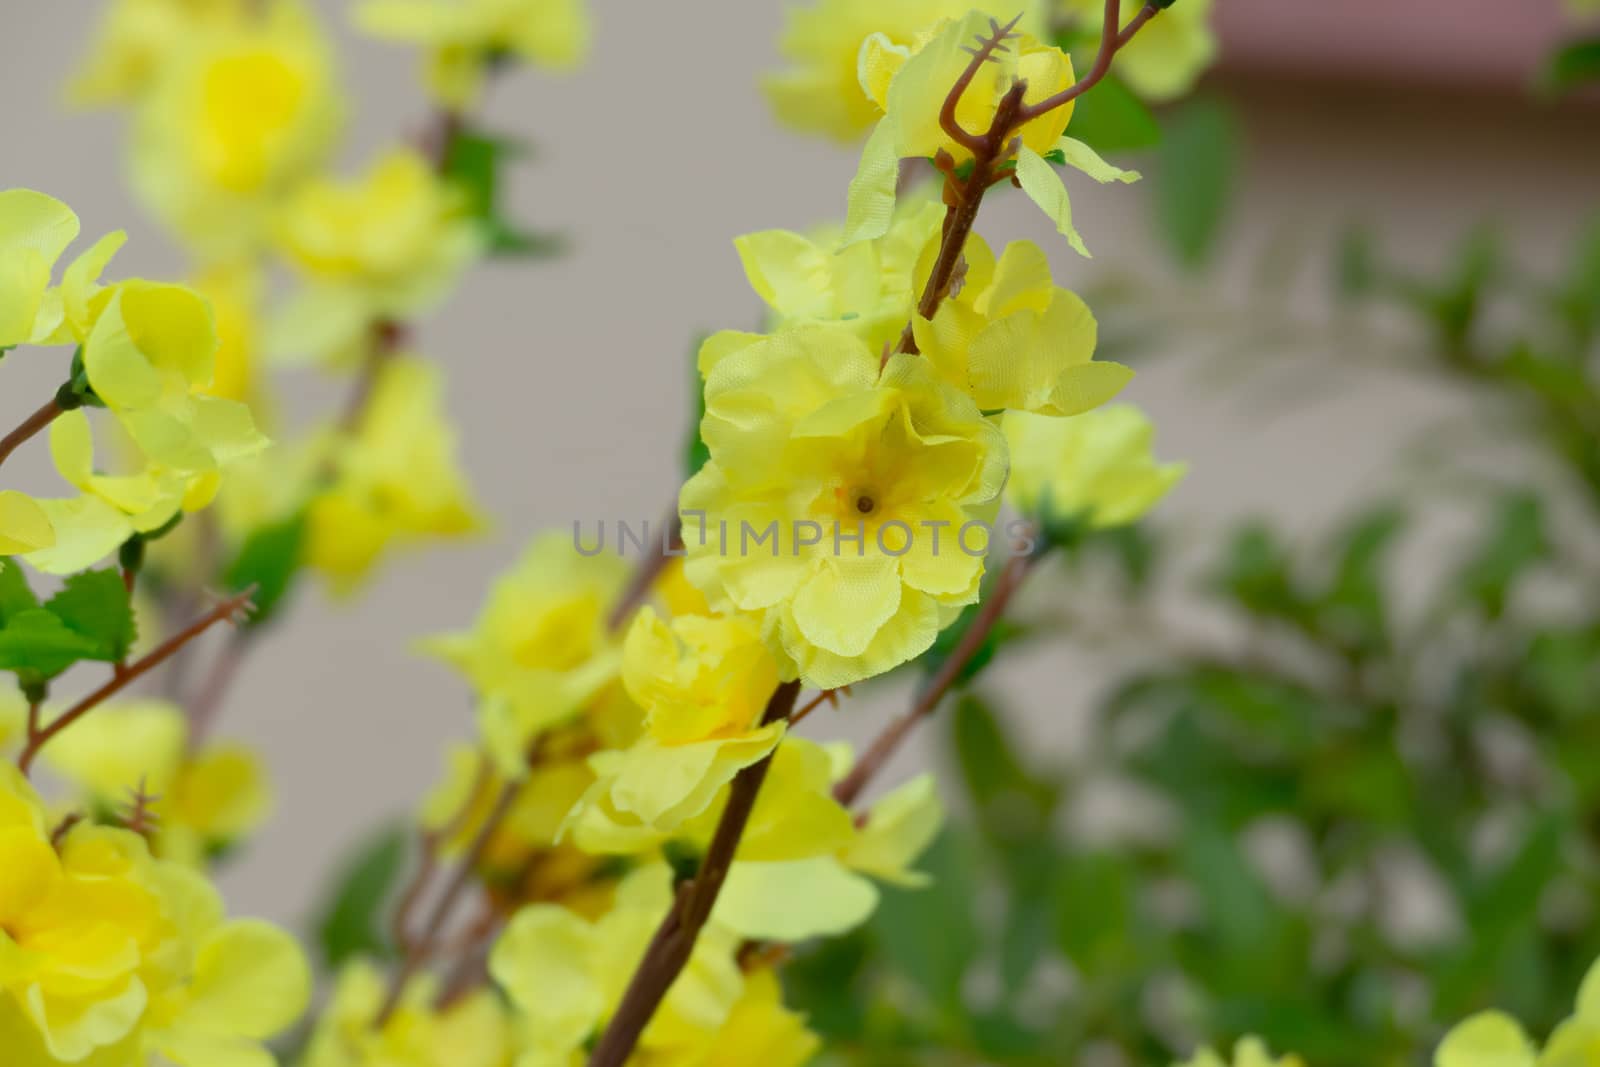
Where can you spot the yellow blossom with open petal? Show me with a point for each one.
(1248, 1052)
(204, 800)
(110, 953)
(24, 525)
(35, 230)
(472, 1032)
(819, 90)
(540, 650)
(1012, 339)
(465, 37)
(236, 119)
(758, 1030)
(1167, 56)
(836, 499)
(388, 245)
(396, 480)
(703, 683)
(1095, 469)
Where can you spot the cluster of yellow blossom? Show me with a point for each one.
(822, 89)
(202, 799)
(115, 958)
(146, 352)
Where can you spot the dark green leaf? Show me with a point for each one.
(15, 595)
(269, 559)
(474, 162)
(1109, 118)
(931, 937)
(352, 919)
(1194, 184)
(1095, 913)
(1573, 65)
(96, 604)
(695, 452)
(38, 645)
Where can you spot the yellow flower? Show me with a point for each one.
(465, 37)
(1573, 1043)
(539, 651)
(204, 800)
(473, 1032)
(869, 286)
(1013, 339)
(137, 38)
(110, 953)
(820, 92)
(1166, 57)
(35, 230)
(238, 116)
(386, 246)
(1095, 469)
(835, 503)
(1489, 1039)
(759, 1030)
(24, 525)
(565, 974)
(235, 294)
(396, 479)
(703, 684)
(1249, 1052)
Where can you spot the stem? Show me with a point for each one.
(1111, 42)
(38, 738)
(30, 426)
(883, 749)
(422, 946)
(675, 938)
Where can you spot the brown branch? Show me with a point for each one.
(39, 737)
(985, 51)
(419, 950)
(675, 938)
(208, 699)
(645, 574)
(30, 426)
(1009, 581)
(1112, 40)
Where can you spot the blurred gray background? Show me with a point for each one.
(569, 377)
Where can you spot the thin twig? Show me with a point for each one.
(462, 879)
(38, 738)
(1009, 581)
(208, 699)
(675, 938)
(30, 426)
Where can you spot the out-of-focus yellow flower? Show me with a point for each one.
(472, 1032)
(396, 480)
(1575, 1042)
(1248, 1052)
(564, 975)
(386, 246)
(237, 117)
(539, 651)
(24, 525)
(464, 38)
(834, 503)
(203, 801)
(820, 91)
(113, 957)
(1096, 469)
(759, 1030)
(235, 293)
(1012, 339)
(899, 828)
(1489, 1039)
(703, 684)
(1167, 56)
(869, 286)
(137, 38)
(35, 230)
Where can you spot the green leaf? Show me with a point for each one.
(930, 936)
(15, 595)
(1095, 913)
(37, 645)
(269, 559)
(1256, 571)
(352, 919)
(1109, 118)
(1230, 892)
(1353, 608)
(474, 162)
(695, 452)
(1515, 541)
(1571, 66)
(1195, 182)
(96, 604)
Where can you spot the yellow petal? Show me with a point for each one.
(24, 525)
(794, 901)
(251, 980)
(869, 208)
(1044, 187)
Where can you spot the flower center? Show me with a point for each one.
(865, 504)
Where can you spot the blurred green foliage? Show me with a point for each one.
(1374, 798)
